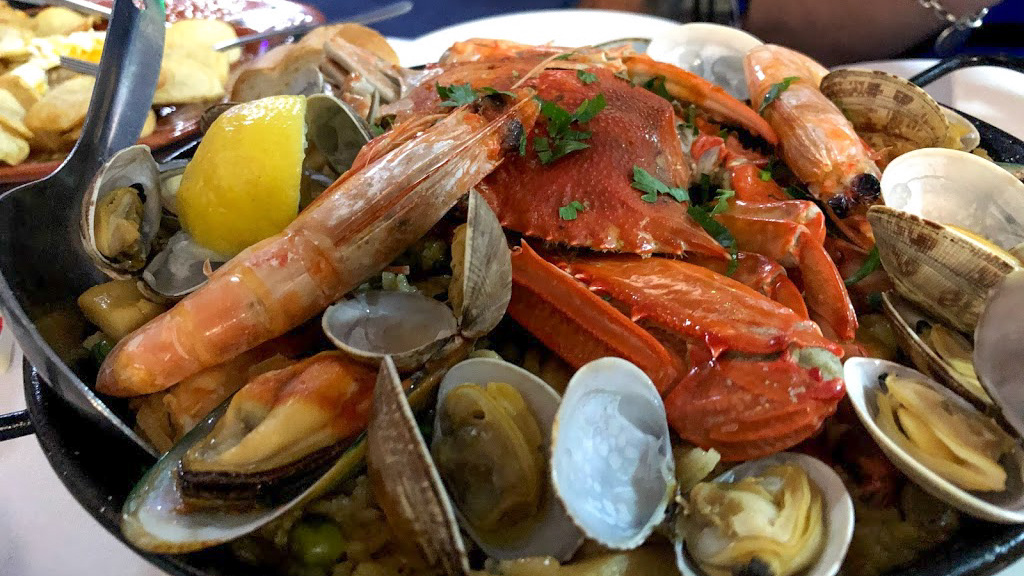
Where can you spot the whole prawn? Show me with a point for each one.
(362, 222)
(817, 142)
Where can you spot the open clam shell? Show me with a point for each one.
(550, 532)
(862, 384)
(611, 460)
(405, 480)
(906, 319)
(836, 504)
(711, 51)
(946, 271)
(890, 113)
(121, 212)
(181, 267)
(999, 340)
(336, 130)
(963, 134)
(407, 326)
(959, 189)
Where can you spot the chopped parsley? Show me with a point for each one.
(691, 120)
(717, 231)
(645, 182)
(775, 90)
(722, 201)
(586, 77)
(376, 130)
(871, 264)
(562, 138)
(797, 193)
(657, 85)
(765, 175)
(564, 56)
(522, 143)
(455, 95)
(571, 210)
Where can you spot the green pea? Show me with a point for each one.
(317, 541)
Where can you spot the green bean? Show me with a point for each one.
(317, 541)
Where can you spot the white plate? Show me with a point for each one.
(564, 27)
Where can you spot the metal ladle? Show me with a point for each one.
(43, 266)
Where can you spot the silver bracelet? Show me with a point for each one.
(959, 30)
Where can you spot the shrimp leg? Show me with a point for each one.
(351, 232)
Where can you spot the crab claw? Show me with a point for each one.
(689, 87)
(577, 324)
(792, 233)
(746, 408)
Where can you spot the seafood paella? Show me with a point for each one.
(539, 310)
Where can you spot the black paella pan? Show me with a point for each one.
(100, 463)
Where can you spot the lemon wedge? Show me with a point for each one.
(243, 184)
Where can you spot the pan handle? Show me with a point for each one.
(15, 425)
(955, 63)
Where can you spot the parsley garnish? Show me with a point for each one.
(691, 120)
(797, 193)
(645, 182)
(570, 210)
(657, 85)
(561, 139)
(522, 143)
(586, 77)
(717, 231)
(765, 175)
(564, 56)
(376, 130)
(455, 95)
(775, 90)
(871, 264)
(722, 201)
(723, 133)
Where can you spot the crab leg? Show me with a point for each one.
(689, 87)
(577, 324)
(353, 230)
(761, 274)
(792, 233)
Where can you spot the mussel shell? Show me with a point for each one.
(959, 189)
(712, 51)
(407, 326)
(836, 505)
(891, 114)
(862, 384)
(133, 167)
(943, 270)
(611, 462)
(552, 533)
(905, 317)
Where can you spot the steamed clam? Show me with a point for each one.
(711, 51)
(785, 514)
(921, 428)
(895, 116)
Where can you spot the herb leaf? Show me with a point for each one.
(586, 77)
(455, 95)
(722, 203)
(765, 175)
(717, 231)
(871, 264)
(646, 182)
(775, 90)
(522, 143)
(570, 210)
(562, 139)
(657, 85)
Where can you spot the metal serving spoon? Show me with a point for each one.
(43, 267)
